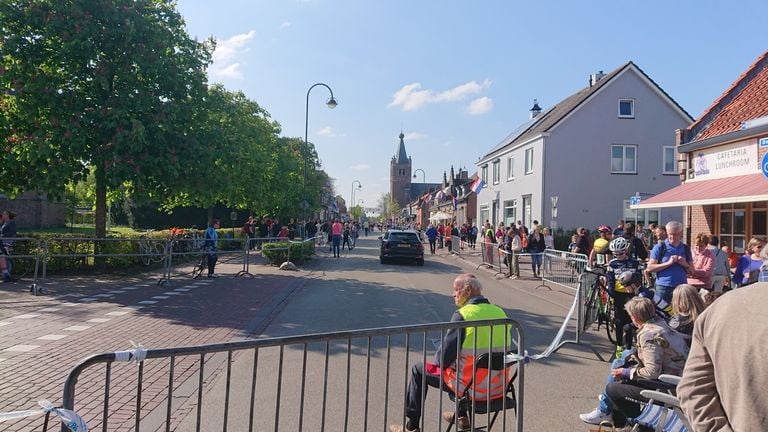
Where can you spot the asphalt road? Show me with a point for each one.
(357, 292)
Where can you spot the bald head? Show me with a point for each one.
(466, 286)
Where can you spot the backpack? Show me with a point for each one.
(473, 231)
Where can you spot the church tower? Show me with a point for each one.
(400, 175)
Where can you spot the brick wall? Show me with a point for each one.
(35, 211)
(702, 219)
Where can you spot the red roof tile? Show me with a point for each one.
(745, 99)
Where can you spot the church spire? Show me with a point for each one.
(402, 156)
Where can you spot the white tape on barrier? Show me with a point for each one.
(138, 354)
(74, 422)
(553, 345)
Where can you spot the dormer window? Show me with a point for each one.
(626, 108)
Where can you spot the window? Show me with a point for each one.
(626, 108)
(484, 213)
(623, 159)
(496, 171)
(529, 160)
(484, 173)
(669, 160)
(510, 212)
(644, 216)
(527, 217)
(733, 226)
(510, 168)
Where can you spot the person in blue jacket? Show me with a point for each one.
(432, 237)
(211, 245)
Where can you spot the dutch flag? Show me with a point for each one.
(477, 185)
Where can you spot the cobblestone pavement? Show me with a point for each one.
(43, 337)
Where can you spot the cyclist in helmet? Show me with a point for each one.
(600, 253)
(620, 263)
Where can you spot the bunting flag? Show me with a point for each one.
(455, 202)
(477, 185)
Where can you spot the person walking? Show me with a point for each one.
(7, 232)
(211, 245)
(449, 237)
(536, 246)
(432, 237)
(336, 229)
(722, 270)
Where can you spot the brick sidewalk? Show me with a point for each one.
(42, 338)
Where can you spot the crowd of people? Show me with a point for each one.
(660, 288)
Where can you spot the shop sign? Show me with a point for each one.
(726, 161)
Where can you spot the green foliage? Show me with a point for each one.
(277, 253)
(109, 86)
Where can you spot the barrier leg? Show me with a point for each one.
(579, 317)
(246, 257)
(165, 279)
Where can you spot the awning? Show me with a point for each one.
(746, 188)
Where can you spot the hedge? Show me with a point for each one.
(277, 253)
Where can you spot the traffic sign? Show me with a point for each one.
(233, 216)
(304, 205)
(764, 165)
(634, 200)
(763, 142)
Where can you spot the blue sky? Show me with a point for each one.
(457, 76)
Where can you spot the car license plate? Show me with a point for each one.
(404, 245)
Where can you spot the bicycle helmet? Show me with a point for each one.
(605, 228)
(619, 244)
(630, 277)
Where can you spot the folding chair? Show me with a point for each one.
(663, 412)
(498, 362)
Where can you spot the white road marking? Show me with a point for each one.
(77, 328)
(22, 348)
(148, 302)
(52, 337)
(160, 298)
(50, 309)
(27, 316)
(119, 313)
(98, 320)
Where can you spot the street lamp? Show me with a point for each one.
(331, 103)
(423, 175)
(352, 197)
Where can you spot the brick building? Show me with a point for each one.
(720, 156)
(35, 210)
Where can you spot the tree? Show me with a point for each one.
(356, 212)
(109, 86)
(389, 208)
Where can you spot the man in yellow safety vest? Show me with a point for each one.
(454, 359)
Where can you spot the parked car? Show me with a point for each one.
(401, 245)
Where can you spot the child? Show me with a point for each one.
(621, 263)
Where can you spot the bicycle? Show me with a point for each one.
(151, 250)
(598, 305)
(200, 267)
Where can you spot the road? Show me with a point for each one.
(352, 292)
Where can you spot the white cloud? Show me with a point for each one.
(360, 167)
(284, 25)
(411, 97)
(226, 53)
(413, 136)
(326, 131)
(481, 105)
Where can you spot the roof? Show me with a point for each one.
(402, 156)
(546, 121)
(739, 189)
(745, 99)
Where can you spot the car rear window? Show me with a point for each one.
(403, 237)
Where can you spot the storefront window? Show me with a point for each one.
(484, 213)
(732, 226)
(510, 212)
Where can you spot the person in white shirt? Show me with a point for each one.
(722, 268)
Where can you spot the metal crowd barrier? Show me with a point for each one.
(330, 381)
(563, 268)
(491, 256)
(32, 246)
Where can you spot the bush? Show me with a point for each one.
(277, 253)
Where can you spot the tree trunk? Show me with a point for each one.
(100, 218)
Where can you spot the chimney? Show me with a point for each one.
(536, 110)
(594, 78)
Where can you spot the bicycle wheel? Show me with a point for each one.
(609, 319)
(158, 252)
(590, 306)
(198, 269)
(144, 251)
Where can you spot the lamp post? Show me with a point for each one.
(352, 197)
(331, 103)
(423, 175)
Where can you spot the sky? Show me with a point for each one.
(456, 77)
